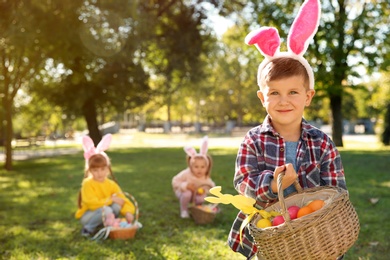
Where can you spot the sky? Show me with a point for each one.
(218, 23)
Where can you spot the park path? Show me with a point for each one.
(121, 141)
(24, 154)
(128, 140)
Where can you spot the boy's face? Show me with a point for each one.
(285, 100)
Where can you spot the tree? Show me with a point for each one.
(177, 52)
(174, 50)
(350, 37)
(101, 67)
(39, 37)
(386, 85)
(380, 102)
(21, 56)
(386, 127)
(354, 40)
(238, 81)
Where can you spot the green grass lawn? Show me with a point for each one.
(38, 201)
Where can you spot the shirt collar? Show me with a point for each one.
(307, 129)
(266, 126)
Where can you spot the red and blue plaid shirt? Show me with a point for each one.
(262, 150)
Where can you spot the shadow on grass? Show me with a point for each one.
(368, 182)
(38, 201)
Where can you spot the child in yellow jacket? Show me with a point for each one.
(100, 196)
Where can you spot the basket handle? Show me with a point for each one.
(283, 207)
(131, 197)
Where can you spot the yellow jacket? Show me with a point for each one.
(96, 194)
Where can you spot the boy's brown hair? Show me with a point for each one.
(281, 68)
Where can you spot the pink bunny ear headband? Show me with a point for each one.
(89, 147)
(303, 29)
(191, 152)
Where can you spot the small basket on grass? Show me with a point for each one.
(127, 232)
(323, 234)
(203, 213)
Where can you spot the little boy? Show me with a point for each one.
(285, 141)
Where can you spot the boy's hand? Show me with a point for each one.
(289, 177)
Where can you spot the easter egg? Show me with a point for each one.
(304, 211)
(263, 223)
(316, 204)
(278, 220)
(293, 211)
(200, 191)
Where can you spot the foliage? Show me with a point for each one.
(161, 60)
(235, 75)
(174, 50)
(43, 119)
(38, 202)
(386, 127)
(22, 54)
(101, 72)
(350, 37)
(380, 102)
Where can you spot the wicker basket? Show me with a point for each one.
(123, 233)
(324, 234)
(126, 232)
(203, 214)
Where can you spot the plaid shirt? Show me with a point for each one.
(262, 150)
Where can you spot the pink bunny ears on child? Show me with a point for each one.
(303, 29)
(89, 147)
(191, 152)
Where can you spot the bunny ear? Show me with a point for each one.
(266, 40)
(205, 145)
(87, 143)
(104, 143)
(190, 151)
(304, 26)
(88, 146)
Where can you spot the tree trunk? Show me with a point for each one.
(337, 122)
(8, 134)
(90, 115)
(386, 130)
(167, 125)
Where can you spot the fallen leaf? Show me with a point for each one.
(374, 200)
(374, 243)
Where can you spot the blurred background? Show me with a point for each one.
(179, 67)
